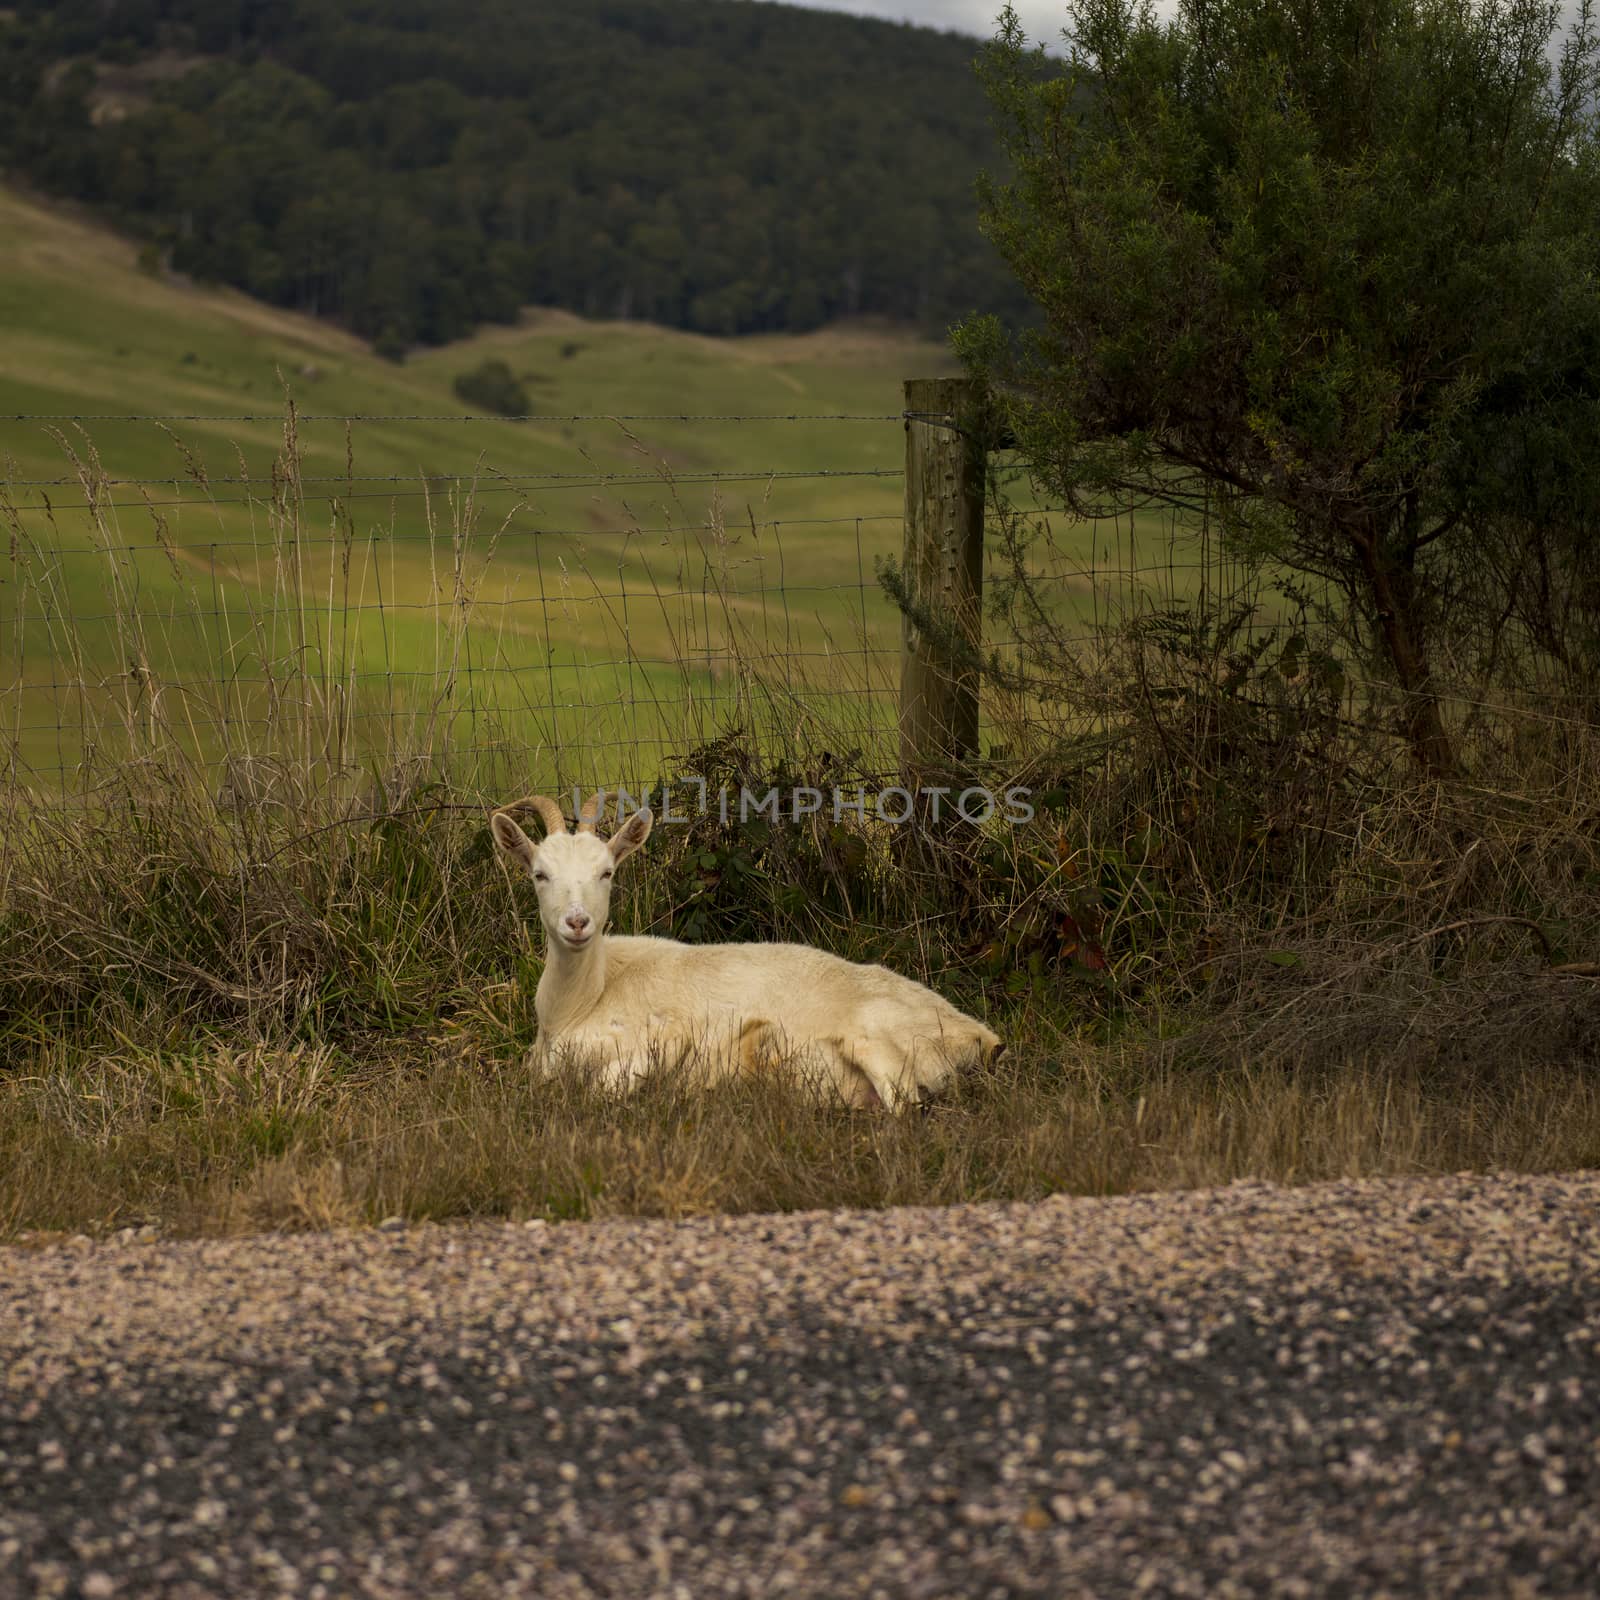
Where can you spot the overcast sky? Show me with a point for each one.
(1041, 18)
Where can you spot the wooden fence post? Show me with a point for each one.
(943, 574)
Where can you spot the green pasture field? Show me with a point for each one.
(619, 585)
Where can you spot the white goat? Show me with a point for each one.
(624, 1004)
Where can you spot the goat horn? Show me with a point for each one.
(590, 815)
(549, 812)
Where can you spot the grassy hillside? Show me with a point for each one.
(604, 559)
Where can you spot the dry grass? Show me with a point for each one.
(227, 1142)
(293, 987)
(220, 1018)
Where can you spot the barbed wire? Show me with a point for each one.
(511, 479)
(379, 536)
(556, 594)
(447, 708)
(695, 659)
(546, 482)
(454, 416)
(507, 744)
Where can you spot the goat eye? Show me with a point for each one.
(541, 877)
(604, 875)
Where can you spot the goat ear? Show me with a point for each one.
(511, 838)
(631, 835)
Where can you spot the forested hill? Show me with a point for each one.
(412, 168)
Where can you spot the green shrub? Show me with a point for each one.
(493, 386)
(391, 345)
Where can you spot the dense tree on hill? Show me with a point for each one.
(415, 167)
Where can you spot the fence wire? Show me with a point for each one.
(479, 418)
(368, 614)
(353, 617)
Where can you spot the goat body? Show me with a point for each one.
(747, 1007)
(623, 1004)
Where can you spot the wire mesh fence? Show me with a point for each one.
(237, 592)
(608, 601)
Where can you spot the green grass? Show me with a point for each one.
(595, 597)
(543, 586)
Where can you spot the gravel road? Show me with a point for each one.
(1356, 1389)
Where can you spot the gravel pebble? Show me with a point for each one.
(1351, 1389)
